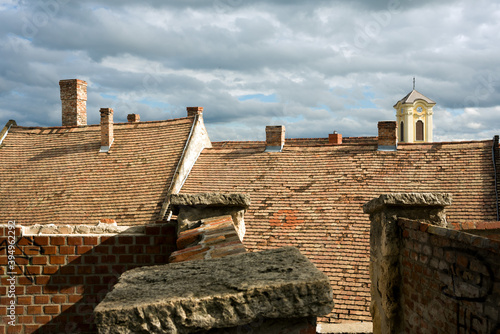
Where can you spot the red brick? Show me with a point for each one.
(57, 260)
(49, 270)
(33, 289)
(57, 241)
(83, 249)
(108, 240)
(24, 300)
(42, 319)
(14, 329)
(34, 309)
(91, 280)
(43, 299)
(39, 260)
(50, 250)
(67, 250)
(84, 270)
(25, 319)
(51, 309)
(125, 240)
(59, 299)
(75, 241)
(90, 240)
(42, 280)
(74, 298)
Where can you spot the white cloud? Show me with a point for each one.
(332, 65)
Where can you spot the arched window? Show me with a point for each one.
(402, 133)
(420, 130)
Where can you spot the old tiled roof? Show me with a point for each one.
(312, 197)
(413, 96)
(57, 175)
(215, 238)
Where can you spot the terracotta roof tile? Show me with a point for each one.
(312, 196)
(57, 175)
(215, 238)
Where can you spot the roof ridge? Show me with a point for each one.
(62, 127)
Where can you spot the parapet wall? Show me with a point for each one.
(60, 278)
(426, 277)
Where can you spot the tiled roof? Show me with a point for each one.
(413, 96)
(312, 197)
(57, 175)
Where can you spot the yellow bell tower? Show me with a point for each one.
(414, 117)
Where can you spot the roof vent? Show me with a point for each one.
(387, 136)
(106, 129)
(275, 138)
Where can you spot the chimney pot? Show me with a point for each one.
(335, 138)
(74, 102)
(106, 129)
(387, 136)
(133, 118)
(193, 111)
(275, 138)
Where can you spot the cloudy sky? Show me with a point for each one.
(314, 66)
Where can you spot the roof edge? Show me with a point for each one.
(6, 129)
(98, 125)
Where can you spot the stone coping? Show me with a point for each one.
(407, 200)
(210, 199)
(236, 290)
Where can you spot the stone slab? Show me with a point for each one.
(210, 199)
(408, 200)
(201, 295)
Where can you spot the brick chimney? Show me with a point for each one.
(335, 138)
(133, 118)
(74, 102)
(275, 138)
(387, 136)
(193, 111)
(106, 129)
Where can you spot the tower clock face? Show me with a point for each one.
(419, 110)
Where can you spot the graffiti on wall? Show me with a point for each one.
(22, 259)
(468, 279)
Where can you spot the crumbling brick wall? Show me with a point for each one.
(59, 279)
(427, 277)
(450, 280)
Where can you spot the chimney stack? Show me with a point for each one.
(133, 118)
(275, 138)
(387, 136)
(106, 129)
(335, 138)
(74, 102)
(193, 111)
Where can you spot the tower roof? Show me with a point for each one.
(412, 96)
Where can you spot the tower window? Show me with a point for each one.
(419, 130)
(402, 133)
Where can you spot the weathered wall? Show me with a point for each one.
(269, 292)
(427, 278)
(451, 280)
(59, 279)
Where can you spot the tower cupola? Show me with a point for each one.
(414, 117)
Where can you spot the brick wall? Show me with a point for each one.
(61, 278)
(450, 280)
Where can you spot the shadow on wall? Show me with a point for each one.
(66, 276)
